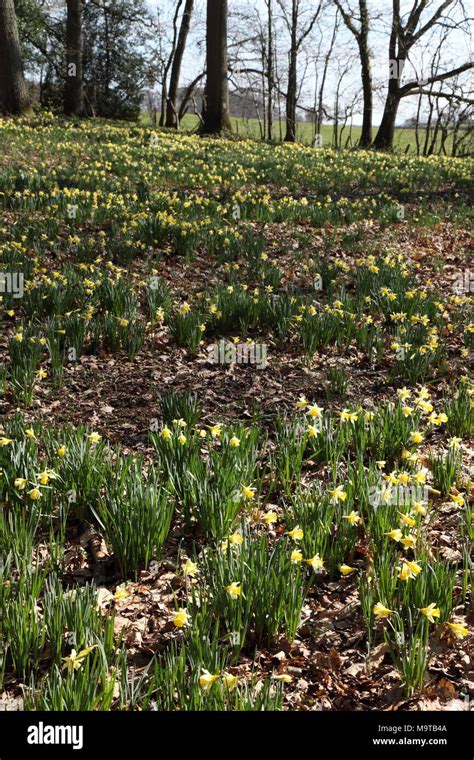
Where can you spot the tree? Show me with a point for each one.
(74, 90)
(361, 34)
(165, 63)
(319, 96)
(13, 91)
(216, 117)
(116, 55)
(297, 36)
(270, 77)
(403, 36)
(115, 66)
(171, 104)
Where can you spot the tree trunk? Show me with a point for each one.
(74, 90)
(320, 111)
(292, 90)
(386, 131)
(13, 91)
(366, 133)
(270, 131)
(216, 116)
(363, 40)
(290, 135)
(171, 104)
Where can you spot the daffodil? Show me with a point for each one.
(409, 542)
(315, 562)
(417, 437)
(381, 611)
(395, 534)
(423, 393)
(5, 441)
(229, 680)
(248, 492)
(405, 573)
(314, 411)
(409, 456)
(353, 518)
(346, 569)
(121, 593)
(184, 308)
(181, 618)
(234, 590)
(296, 534)
(296, 556)
(189, 568)
(414, 567)
(74, 660)
(270, 518)
(347, 416)
(61, 451)
(206, 679)
(44, 477)
(419, 508)
(20, 483)
(94, 437)
(166, 433)
(338, 494)
(409, 570)
(283, 677)
(34, 494)
(234, 442)
(431, 612)
(420, 476)
(302, 403)
(236, 539)
(458, 629)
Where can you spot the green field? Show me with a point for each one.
(405, 138)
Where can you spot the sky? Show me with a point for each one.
(457, 50)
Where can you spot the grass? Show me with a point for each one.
(404, 139)
(235, 402)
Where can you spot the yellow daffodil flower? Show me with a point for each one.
(181, 618)
(346, 569)
(381, 611)
(431, 612)
(234, 590)
(296, 534)
(459, 630)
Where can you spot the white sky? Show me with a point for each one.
(243, 24)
